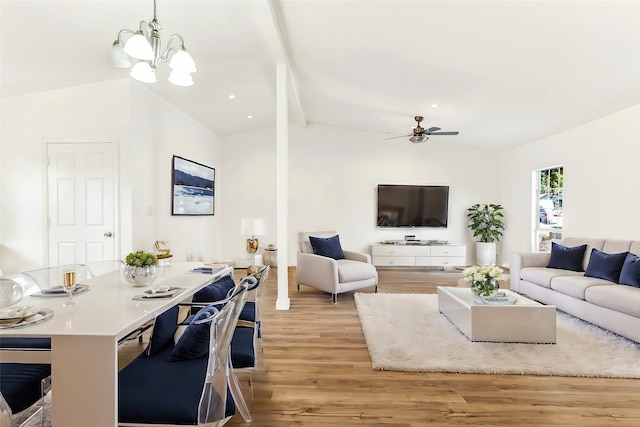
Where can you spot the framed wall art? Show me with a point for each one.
(193, 188)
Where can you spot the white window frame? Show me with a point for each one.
(551, 230)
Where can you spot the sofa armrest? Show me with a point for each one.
(357, 256)
(520, 260)
(317, 271)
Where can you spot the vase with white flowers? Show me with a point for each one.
(483, 279)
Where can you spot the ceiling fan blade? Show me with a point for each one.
(433, 129)
(401, 136)
(444, 133)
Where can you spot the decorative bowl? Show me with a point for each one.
(10, 292)
(140, 276)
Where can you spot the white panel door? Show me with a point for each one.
(81, 203)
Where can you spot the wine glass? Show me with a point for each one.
(69, 284)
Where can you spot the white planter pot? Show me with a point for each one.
(485, 253)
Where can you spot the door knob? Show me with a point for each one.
(108, 234)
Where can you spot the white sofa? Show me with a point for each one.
(606, 304)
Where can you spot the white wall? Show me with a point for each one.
(333, 174)
(601, 162)
(148, 131)
(161, 130)
(80, 112)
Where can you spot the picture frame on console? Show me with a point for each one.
(192, 188)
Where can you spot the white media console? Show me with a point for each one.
(418, 255)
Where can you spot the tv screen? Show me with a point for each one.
(413, 205)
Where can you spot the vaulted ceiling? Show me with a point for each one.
(502, 73)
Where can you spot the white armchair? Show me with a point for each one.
(334, 276)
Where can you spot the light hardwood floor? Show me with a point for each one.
(318, 373)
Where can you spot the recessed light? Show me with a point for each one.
(232, 96)
(249, 117)
(434, 105)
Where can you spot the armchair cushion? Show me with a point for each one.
(327, 246)
(194, 342)
(352, 271)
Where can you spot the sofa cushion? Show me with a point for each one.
(630, 274)
(616, 246)
(351, 271)
(625, 299)
(327, 246)
(590, 242)
(605, 266)
(566, 258)
(542, 276)
(576, 286)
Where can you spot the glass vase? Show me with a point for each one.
(140, 276)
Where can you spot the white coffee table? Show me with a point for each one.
(526, 321)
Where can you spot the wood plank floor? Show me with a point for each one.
(318, 373)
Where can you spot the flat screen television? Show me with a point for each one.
(413, 206)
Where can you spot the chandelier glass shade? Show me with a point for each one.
(145, 46)
(418, 138)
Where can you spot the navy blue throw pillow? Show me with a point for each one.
(194, 342)
(216, 291)
(630, 274)
(327, 246)
(163, 329)
(566, 258)
(605, 266)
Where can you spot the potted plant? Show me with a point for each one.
(485, 220)
(141, 268)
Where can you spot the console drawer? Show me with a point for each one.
(400, 261)
(446, 250)
(447, 261)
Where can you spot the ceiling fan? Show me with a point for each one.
(421, 134)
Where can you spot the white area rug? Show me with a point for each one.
(406, 332)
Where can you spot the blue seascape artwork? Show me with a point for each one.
(193, 188)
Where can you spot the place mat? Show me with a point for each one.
(58, 291)
(150, 295)
(42, 315)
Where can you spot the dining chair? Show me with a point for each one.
(23, 387)
(184, 377)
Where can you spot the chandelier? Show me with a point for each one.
(145, 45)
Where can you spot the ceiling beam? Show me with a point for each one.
(276, 37)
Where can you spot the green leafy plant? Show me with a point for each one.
(485, 220)
(141, 259)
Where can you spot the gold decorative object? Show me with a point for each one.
(252, 245)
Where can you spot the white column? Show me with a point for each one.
(282, 185)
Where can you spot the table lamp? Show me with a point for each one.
(252, 227)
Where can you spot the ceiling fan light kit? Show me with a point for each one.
(421, 134)
(146, 46)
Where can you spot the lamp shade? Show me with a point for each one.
(117, 57)
(252, 227)
(143, 72)
(182, 61)
(180, 78)
(139, 47)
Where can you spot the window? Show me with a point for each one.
(548, 207)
